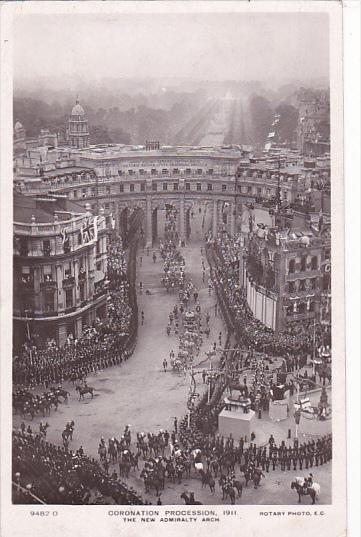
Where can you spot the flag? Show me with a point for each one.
(63, 236)
(89, 230)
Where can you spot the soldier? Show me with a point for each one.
(267, 464)
(274, 460)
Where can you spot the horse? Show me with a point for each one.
(83, 390)
(207, 479)
(313, 491)
(188, 499)
(227, 489)
(238, 485)
(61, 393)
(43, 428)
(65, 436)
(257, 474)
(134, 461)
(27, 409)
(151, 481)
(247, 474)
(214, 465)
(124, 468)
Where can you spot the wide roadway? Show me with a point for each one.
(141, 394)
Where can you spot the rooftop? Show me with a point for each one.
(119, 150)
(43, 208)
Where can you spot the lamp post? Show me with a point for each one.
(314, 346)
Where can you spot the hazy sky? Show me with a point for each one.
(237, 46)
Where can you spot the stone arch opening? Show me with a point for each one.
(131, 220)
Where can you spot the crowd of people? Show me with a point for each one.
(102, 345)
(56, 475)
(296, 339)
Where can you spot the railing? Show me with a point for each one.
(69, 282)
(305, 273)
(29, 286)
(50, 285)
(300, 316)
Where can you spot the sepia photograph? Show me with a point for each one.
(172, 260)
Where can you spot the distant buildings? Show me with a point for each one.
(313, 132)
(78, 132)
(67, 188)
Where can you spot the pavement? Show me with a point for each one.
(141, 394)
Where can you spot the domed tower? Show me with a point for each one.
(78, 127)
(19, 137)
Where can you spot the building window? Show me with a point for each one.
(82, 292)
(93, 192)
(301, 286)
(46, 248)
(154, 187)
(121, 188)
(175, 186)
(107, 189)
(106, 206)
(259, 190)
(67, 270)
(224, 188)
(291, 266)
(131, 187)
(68, 298)
(66, 244)
(188, 171)
(84, 193)
(153, 171)
(303, 263)
(209, 186)
(268, 192)
(165, 186)
(210, 171)
(75, 193)
(142, 187)
(314, 263)
(175, 171)
(23, 246)
(141, 171)
(120, 172)
(130, 172)
(314, 283)
(49, 301)
(47, 273)
(249, 190)
(199, 171)
(291, 287)
(301, 308)
(199, 187)
(26, 276)
(165, 171)
(188, 186)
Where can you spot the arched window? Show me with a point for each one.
(314, 263)
(303, 262)
(291, 266)
(301, 308)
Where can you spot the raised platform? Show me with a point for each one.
(239, 424)
(278, 410)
